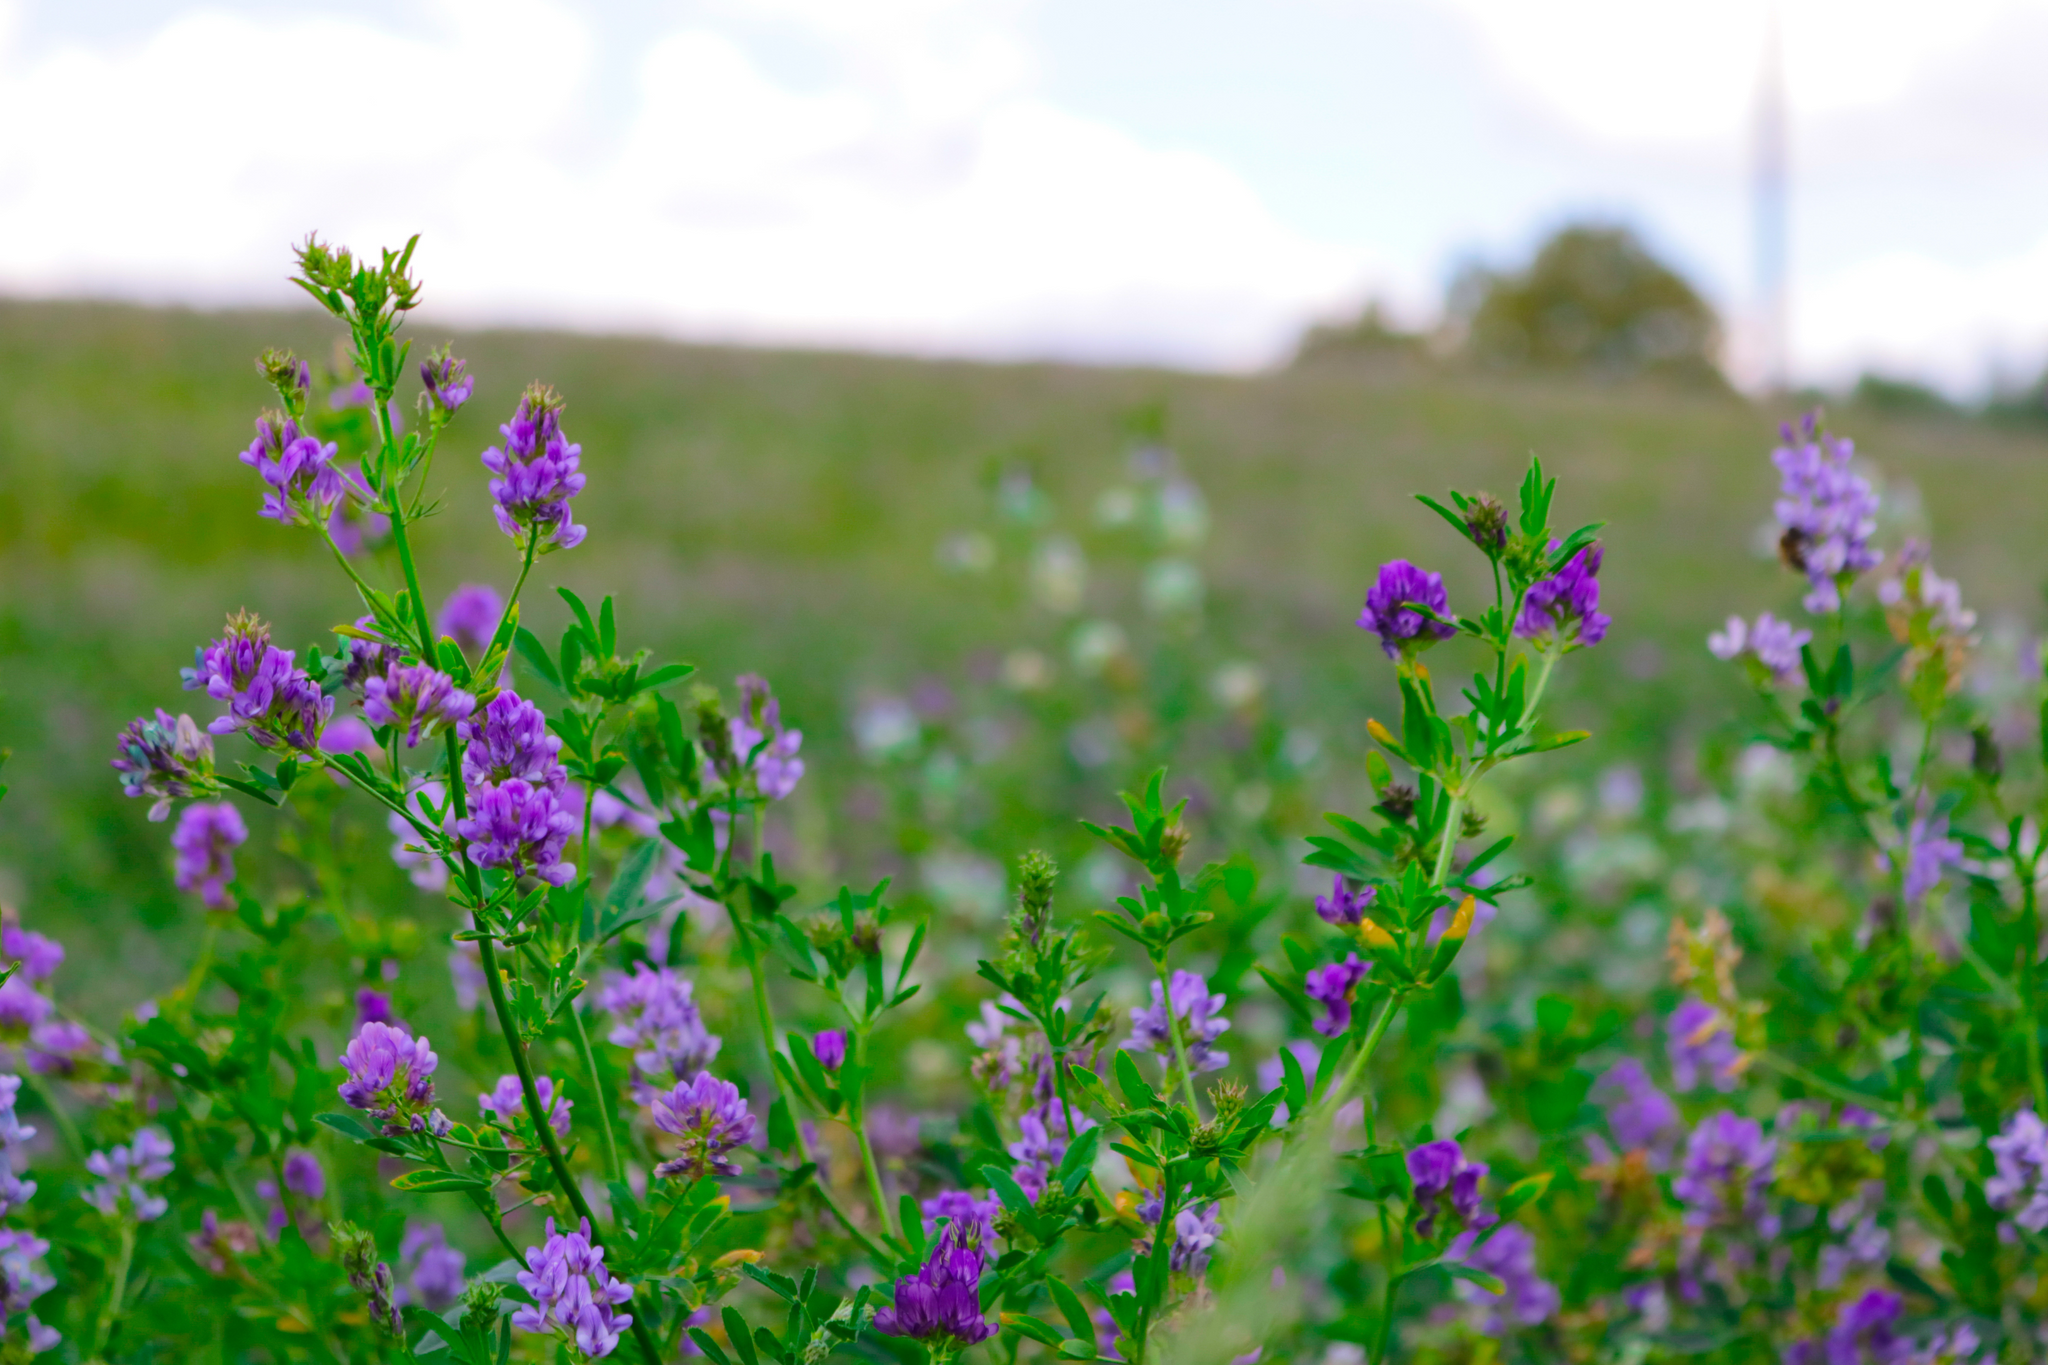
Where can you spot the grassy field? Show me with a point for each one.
(781, 512)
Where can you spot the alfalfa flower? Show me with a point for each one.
(574, 1294)
(303, 485)
(1405, 607)
(271, 699)
(418, 697)
(204, 841)
(1772, 646)
(1566, 606)
(390, 1076)
(534, 473)
(166, 759)
(1200, 1020)
(1828, 512)
(711, 1118)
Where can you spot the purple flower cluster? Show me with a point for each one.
(1332, 987)
(534, 473)
(446, 382)
(1726, 1170)
(1929, 853)
(391, 1075)
(1828, 512)
(419, 697)
(38, 954)
(1345, 907)
(470, 616)
(303, 485)
(269, 697)
(1862, 1335)
(942, 1301)
(164, 758)
(711, 1119)
(1390, 609)
(506, 1102)
(1772, 643)
(2020, 1185)
(432, 1268)
(123, 1172)
(206, 837)
(1639, 1115)
(1701, 1047)
(1199, 1016)
(1047, 1128)
(1567, 604)
(22, 1282)
(57, 1046)
(574, 1295)
(653, 1012)
(1509, 1255)
(516, 819)
(14, 1135)
(1444, 1182)
(1194, 1233)
(776, 769)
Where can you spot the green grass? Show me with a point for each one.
(779, 512)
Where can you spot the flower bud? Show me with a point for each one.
(829, 1047)
(1486, 521)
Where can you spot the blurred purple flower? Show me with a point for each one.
(1828, 512)
(1442, 1178)
(654, 1012)
(1509, 1255)
(2019, 1185)
(124, 1173)
(1200, 1021)
(1638, 1113)
(1331, 987)
(829, 1047)
(470, 616)
(1929, 852)
(1725, 1173)
(1700, 1045)
(206, 836)
(776, 768)
(1775, 644)
(433, 1269)
(508, 1102)
(39, 956)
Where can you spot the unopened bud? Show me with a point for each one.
(1985, 760)
(713, 733)
(1486, 521)
(1174, 842)
(1398, 801)
(1228, 1098)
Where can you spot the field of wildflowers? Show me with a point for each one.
(524, 1040)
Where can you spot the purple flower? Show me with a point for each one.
(511, 741)
(1331, 987)
(39, 956)
(508, 1102)
(1828, 513)
(1862, 1334)
(1194, 1233)
(960, 1207)
(304, 486)
(56, 1046)
(419, 697)
(574, 1295)
(347, 735)
(1509, 1255)
(942, 1301)
(373, 1007)
(1344, 907)
(1638, 1113)
(1390, 609)
(206, 836)
(433, 1269)
(271, 699)
(303, 1176)
(123, 1172)
(1200, 1024)
(1772, 643)
(14, 1134)
(470, 616)
(22, 1281)
(164, 758)
(1443, 1177)
(1567, 604)
(829, 1047)
(711, 1119)
(535, 473)
(367, 659)
(1929, 851)
(1046, 1129)
(776, 768)
(466, 975)
(1727, 1168)
(521, 828)
(390, 1074)
(1700, 1044)
(21, 1005)
(653, 1012)
(447, 386)
(2020, 1184)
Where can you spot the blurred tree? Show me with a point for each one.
(1595, 300)
(1371, 338)
(1907, 397)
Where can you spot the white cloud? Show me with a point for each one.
(919, 198)
(1902, 313)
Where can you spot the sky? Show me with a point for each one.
(1183, 182)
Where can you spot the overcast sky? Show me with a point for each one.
(1185, 181)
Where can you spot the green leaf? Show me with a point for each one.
(1025, 1325)
(1132, 1082)
(536, 655)
(1007, 1189)
(348, 1125)
(1294, 1082)
(662, 676)
(1490, 1283)
(1523, 1193)
(740, 1335)
(428, 1181)
(710, 1347)
(1071, 1308)
(1074, 1348)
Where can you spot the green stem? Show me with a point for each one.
(412, 582)
(764, 1013)
(65, 1127)
(1454, 815)
(1550, 658)
(2030, 948)
(1180, 1050)
(117, 1293)
(535, 1111)
(882, 1259)
(602, 1093)
(867, 1149)
(1371, 1045)
(204, 961)
(1379, 1352)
